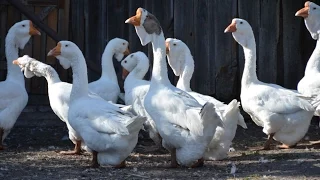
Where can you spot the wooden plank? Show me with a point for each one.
(52, 23)
(269, 38)
(201, 53)
(92, 24)
(36, 83)
(3, 33)
(63, 30)
(42, 2)
(293, 66)
(224, 60)
(183, 27)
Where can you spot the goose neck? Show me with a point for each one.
(159, 71)
(186, 75)
(12, 53)
(107, 66)
(51, 75)
(313, 64)
(249, 73)
(80, 78)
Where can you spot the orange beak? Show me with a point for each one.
(231, 28)
(167, 47)
(127, 52)
(135, 20)
(304, 12)
(125, 73)
(56, 51)
(33, 30)
(16, 62)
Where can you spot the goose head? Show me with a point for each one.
(146, 25)
(174, 49)
(131, 61)
(66, 52)
(241, 32)
(311, 15)
(22, 31)
(28, 65)
(120, 48)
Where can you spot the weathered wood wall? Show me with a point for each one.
(283, 43)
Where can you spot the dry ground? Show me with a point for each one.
(32, 154)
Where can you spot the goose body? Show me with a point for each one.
(182, 64)
(185, 126)
(58, 92)
(284, 114)
(13, 94)
(108, 131)
(136, 89)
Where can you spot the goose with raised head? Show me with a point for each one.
(13, 93)
(107, 86)
(310, 83)
(58, 92)
(135, 66)
(284, 114)
(186, 127)
(108, 131)
(182, 64)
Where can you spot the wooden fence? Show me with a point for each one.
(283, 43)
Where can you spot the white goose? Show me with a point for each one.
(185, 126)
(310, 83)
(107, 86)
(13, 94)
(182, 64)
(108, 131)
(136, 89)
(284, 114)
(58, 92)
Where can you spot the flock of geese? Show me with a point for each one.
(191, 126)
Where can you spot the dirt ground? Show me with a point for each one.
(32, 154)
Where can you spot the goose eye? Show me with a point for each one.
(131, 56)
(241, 22)
(124, 43)
(23, 25)
(314, 8)
(174, 44)
(125, 61)
(66, 45)
(147, 16)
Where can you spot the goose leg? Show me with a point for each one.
(76, 151)
(285, 146)
(174, 163)
(199, 163)
(268, 142)
(94, 163)
(121, 165)
(1, 135)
